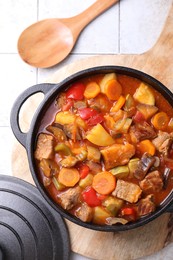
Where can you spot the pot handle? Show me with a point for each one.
(14, 116)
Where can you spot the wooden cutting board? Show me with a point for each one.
(143, 241)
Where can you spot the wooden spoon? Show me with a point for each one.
(49, 41)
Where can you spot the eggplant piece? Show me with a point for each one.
(48, 167)
(57, 133)
(165, 177)
(146, 162)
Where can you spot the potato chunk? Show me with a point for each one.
(99, 136)
(117, 154)
(144, 94)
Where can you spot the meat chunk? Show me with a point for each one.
(146, 206)
(146, 162)
(85, 213)
(152, 182)
(61, 101)
(139, 132)
(127, 191)
(44, 147)
(163, 142)
(70, 198)
(117, 154)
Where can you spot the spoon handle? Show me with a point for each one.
(84, 18)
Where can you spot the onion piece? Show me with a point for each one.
(112, 220)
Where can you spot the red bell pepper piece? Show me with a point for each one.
(92, 116)
(90, 197)
(87, 112)
(68, 105)
(127, 211)
(138, 117)
(76, 91)
(94, 120)
(83, 170)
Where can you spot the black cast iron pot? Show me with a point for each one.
(28, 140)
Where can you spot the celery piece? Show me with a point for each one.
(87, 181)
(57, 184)
(93, 154)
(120, 171)
(63, 148)
(130, 103)
(69, 161)
(82, 155)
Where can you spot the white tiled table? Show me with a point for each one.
(132, 26)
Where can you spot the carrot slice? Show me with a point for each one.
(119, 104)
(68, 177)
(113, 89)
(92, 90)
(160, 120)
(104, 182)
(146, 146)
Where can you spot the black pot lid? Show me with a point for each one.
(29, 228)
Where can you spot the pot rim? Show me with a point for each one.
(30, 141)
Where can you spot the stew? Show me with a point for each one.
(104, 149)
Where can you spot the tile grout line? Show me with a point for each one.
(119, 26)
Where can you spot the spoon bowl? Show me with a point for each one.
(48, 42)
(53, 43)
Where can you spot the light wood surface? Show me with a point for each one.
(146, 240)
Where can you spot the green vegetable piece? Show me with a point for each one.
(133, 165)
(69, 161)
(82, 155)
(120, 171)
(57, 184)
(130, 103)
(63, 148)
(122, 125)
(87, 181)
(93, 154)
(113, 205)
